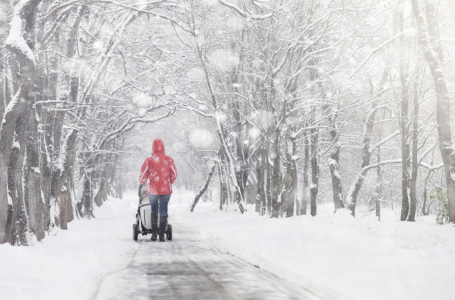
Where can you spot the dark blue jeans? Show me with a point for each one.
(163, 199)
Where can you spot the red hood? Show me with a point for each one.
(158, 147)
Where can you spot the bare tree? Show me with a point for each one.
(429, 42)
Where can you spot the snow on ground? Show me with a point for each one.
(359, 258)
(70, 264)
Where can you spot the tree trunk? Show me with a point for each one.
(269, 172)
(100, 196)
(204, 188)
(87, 197)
(404, 123)
(262, 179)
(306, 167)
(357, 184)
(241, 151)
(293, 192)
(334, 164)
(35, 207)
(425, 211)
(22, 31)
(404, 152)
(415, 163)
(72, 210)
(18, 234)
(276, 180)
(434, 58)
(5, 96)
(452, 8)
(55, 175)
(223, 184)
(366, 155)
(65, 197)
(378, 188)
(4, 84)
(290, 179)
(314, 171)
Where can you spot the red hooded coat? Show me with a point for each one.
(159, 170)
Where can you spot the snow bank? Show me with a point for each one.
(360, 258)
(71, 264)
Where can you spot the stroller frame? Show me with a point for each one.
(143, 217)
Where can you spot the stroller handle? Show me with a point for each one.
(142, 189)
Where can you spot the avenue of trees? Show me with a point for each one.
(283, 104)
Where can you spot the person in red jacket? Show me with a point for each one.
(160, 171)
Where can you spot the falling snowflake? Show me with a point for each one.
(98, 45)
(201, 139)
(254, 133)
(225, 59)
(142, 100)
(195, 73)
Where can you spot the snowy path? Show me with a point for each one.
(324, 257)
(190, 267)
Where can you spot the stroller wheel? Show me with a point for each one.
(169, 232)
(135, 232)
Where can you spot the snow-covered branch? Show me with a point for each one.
(377, 49)
(15, 41)
(385, 140)
(244, 13)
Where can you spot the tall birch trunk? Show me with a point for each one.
(433, 55)
(404, 123)
(405, 149)
(378, 188)
(262, 179)
(306, 167)
(415, 163)
(269, 171)
(314, 171)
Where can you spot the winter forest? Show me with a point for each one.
(288, 104)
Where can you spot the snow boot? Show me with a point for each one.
(163, 225)
(154, 227)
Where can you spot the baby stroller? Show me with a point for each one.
(144, 218)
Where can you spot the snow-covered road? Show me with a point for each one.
(213, 256)
(191, 267)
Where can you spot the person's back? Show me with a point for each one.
(160, 172)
